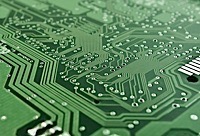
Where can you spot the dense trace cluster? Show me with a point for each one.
(99, 67)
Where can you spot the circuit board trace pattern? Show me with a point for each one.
(99, 67)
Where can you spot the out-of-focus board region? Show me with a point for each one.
(99, 67)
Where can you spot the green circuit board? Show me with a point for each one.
(99, 68)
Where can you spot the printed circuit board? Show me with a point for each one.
(99, 67)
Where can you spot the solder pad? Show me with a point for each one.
(99, 67)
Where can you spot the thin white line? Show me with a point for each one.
(194, 64)
(185, 72)
(190, 66)
(190, 70)
(196, 61)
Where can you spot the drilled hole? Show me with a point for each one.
(96, 101)
(192, 79)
